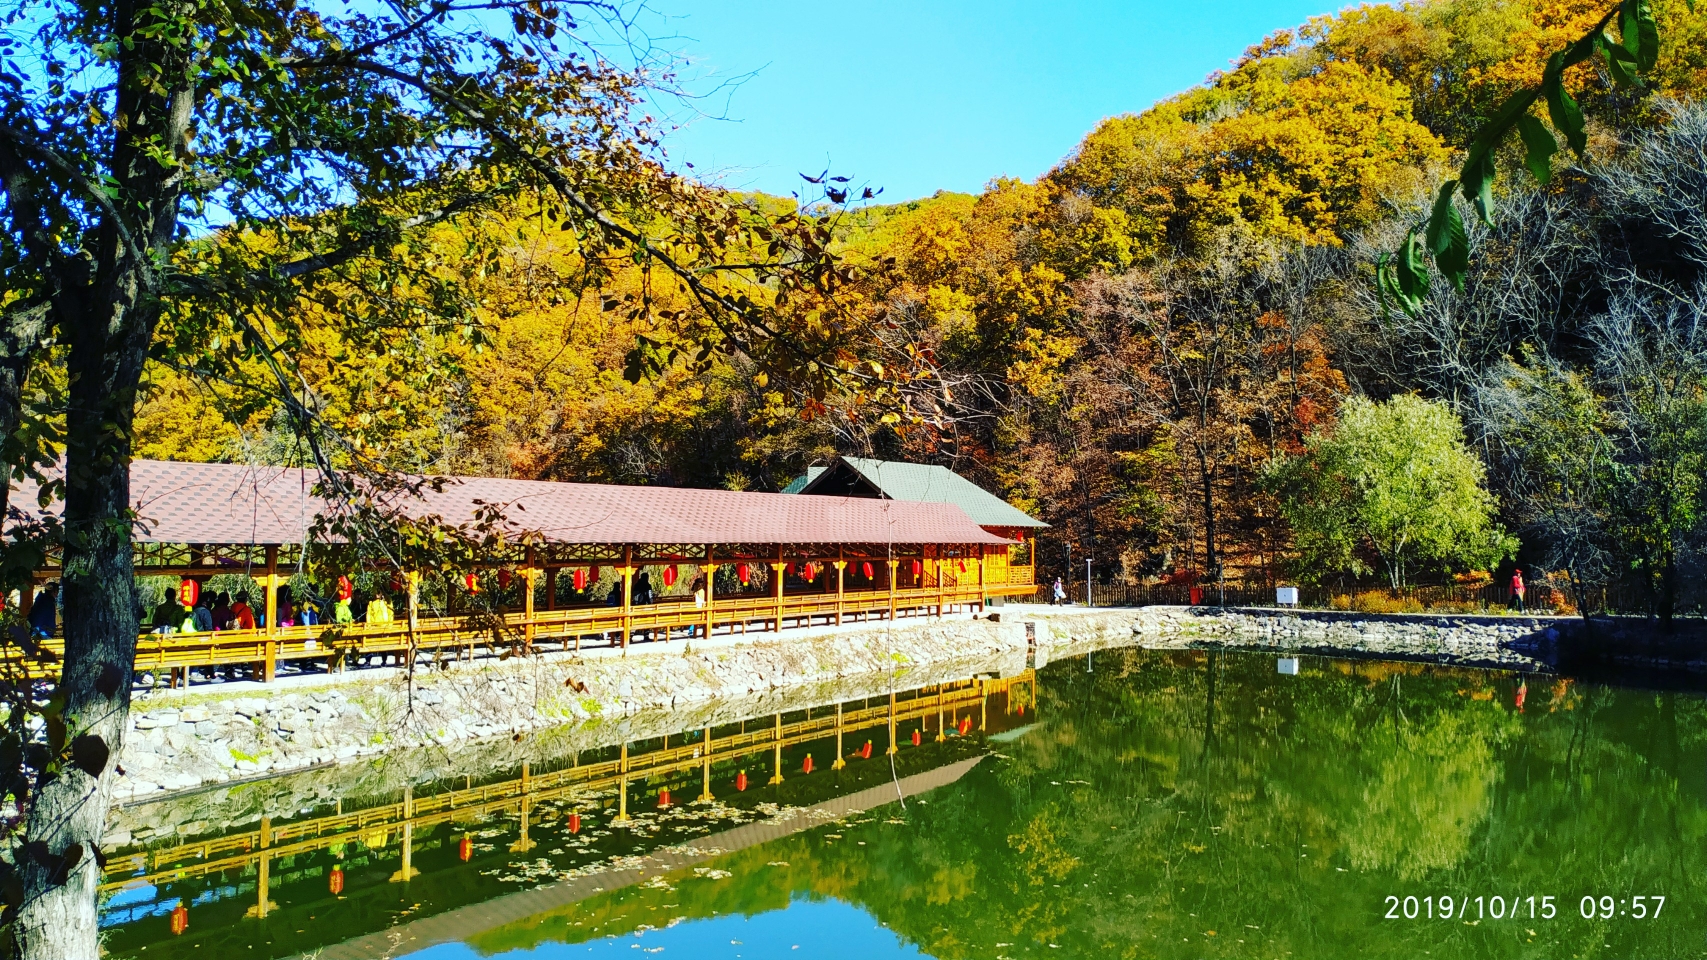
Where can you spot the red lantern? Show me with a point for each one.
(593, 573)
(180, 919)
(865, 751)
(472, 581)
(465, 848)
(188, 592)
(918, 568)
(963, 566)
(791, 571)
(670, 575)
(335, 881)
(345, 590)
(574, 823)
(503, 579)
(580, 579)
(811, 571)
(741, 780)
(916, 738)
(745, 573)
(807, 766)
(664, 798)
(865, 568)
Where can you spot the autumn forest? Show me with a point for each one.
(1171, 347)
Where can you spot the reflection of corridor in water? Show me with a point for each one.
(819, 929)
(338, 860)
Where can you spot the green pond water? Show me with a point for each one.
(1142, 805)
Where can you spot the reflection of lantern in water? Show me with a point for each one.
(345, 589)
(574, 823)
(465, 848)
(965, 726)
(503, 579)
(335, 881)
(865, 751)
(471, 581)
(741, 780)
(663, 798)
(916, 738)
(580, 579)
(807, 766)
(180, 919)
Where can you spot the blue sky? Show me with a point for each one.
(931, 94)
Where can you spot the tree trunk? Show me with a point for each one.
(57, 920)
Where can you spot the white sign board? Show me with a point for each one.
(1286, 596)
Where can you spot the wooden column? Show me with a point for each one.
(709, 569)
(776, 751)
(841, 589)
(777, 566)
(551, 588)
(893, 565)
(941, 732)
(271, 584)
(941, 590)
(627, 571)
(840, 760)
(983, 591)
(530, 574)
(264, 881)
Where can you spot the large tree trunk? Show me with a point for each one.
(67, 815)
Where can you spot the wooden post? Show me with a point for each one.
(776, 749)
(983, 591)
(941, 732)
(983, 705)
(551, 588)
(271, 581)
(627, 571)
(840, 761)
(841, 573)
(941, 591)
(777, 567)
(705, 768)
(893, 564)
(529, 574)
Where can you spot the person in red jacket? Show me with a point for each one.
(1517, 589)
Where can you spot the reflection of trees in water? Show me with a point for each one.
(1116, 828)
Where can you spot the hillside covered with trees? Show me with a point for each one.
(1154, 347)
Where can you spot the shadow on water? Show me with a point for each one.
(1127, 803)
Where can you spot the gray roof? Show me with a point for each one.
(924, 483)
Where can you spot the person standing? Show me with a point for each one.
(1518, 590)
(1060, 591)
(44, 612)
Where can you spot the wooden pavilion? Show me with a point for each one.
(798, 561)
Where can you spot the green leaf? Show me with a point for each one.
(1446, 238)
(1539, 147)
(1405, 277)
(1640, 33)
(1619, 63)
(1478, 182)
(1566, 114)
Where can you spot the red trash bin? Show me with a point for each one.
(1197, 596)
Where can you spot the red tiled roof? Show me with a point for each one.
(215, 503)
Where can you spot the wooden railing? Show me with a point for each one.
(171, 656)
(375, 825)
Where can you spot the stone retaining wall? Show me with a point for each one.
(183, 740)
